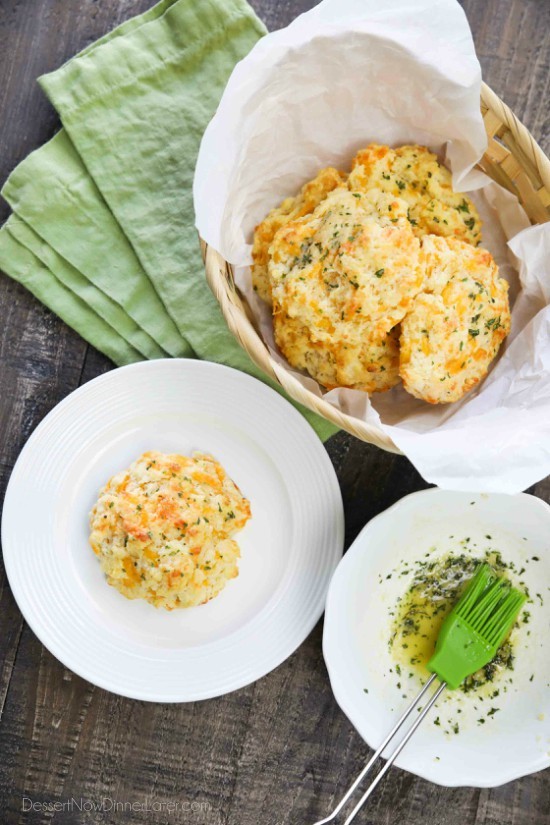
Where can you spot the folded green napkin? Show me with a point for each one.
(102, 229)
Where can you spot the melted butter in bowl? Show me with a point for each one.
(435, 588)
(434, 584)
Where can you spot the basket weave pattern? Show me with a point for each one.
(513, 159)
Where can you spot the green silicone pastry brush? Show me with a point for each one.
(469, 638)
(476, 627)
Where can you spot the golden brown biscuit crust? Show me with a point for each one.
(457, 323)
(342, 279)
(162, 529)
(310, 195)
(414, 174)
(348, 260)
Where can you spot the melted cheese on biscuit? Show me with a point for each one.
(377, 276)
(457, 322)
(414, 174)
(310, 195)
(341, 280)
(162, 530)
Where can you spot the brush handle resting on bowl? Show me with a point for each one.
(393, 756)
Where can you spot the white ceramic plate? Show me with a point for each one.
(513, 741)
(289, 548)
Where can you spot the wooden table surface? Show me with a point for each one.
(279, 751)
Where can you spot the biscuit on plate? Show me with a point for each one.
(456, 324)
(311, 194)
(414, 174)
(342, 278)
(162, 529)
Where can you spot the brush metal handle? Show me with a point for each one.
(395, 753)
(391, 759)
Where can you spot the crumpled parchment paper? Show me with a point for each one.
(352, 72)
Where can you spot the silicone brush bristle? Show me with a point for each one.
(476, 627)
(483, 578)
(490, 605)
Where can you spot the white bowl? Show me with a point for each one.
(509, 744)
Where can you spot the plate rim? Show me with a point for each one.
(341, 699)
(199, 365)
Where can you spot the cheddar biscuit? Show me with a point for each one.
(163, 529)
(457, 323)
(311, 194)
(342, 278)
(414, 174)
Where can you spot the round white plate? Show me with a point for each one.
(289, 548)
(511, 742)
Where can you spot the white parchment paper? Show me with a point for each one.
(345, 74)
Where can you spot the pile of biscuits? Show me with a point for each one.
(376, 277)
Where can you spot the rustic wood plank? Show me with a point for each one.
(39, 363)
(279, 751)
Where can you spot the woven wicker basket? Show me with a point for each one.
(513, 159)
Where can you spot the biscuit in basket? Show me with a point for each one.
(342, 278)
(162, 529)
(457, 322)
(371, 365)
(414, 174)
(311, 194)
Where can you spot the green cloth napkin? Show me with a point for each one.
(102, 229)
(53, 192)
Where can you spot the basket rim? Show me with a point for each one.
(219, 274)
(524, 137)
(249, 338)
